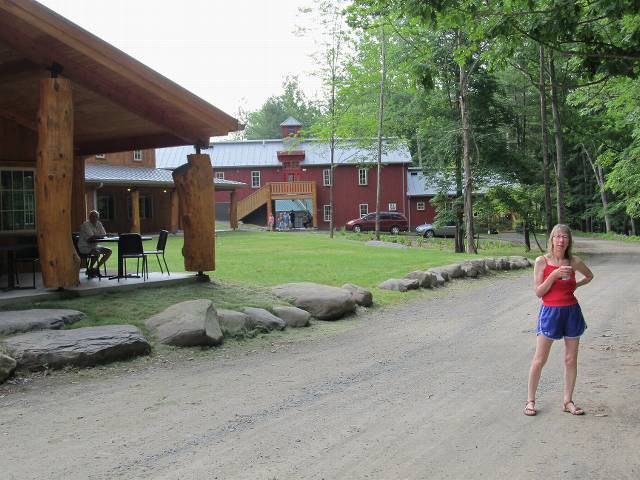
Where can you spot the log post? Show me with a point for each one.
(233, 210)
(78, 196)
(175, 211)
(59, 261)
(135, 210)
(269, 208)
(314, 205)
(194, 184)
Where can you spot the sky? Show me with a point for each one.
(233, 54)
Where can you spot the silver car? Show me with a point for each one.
(427, 230)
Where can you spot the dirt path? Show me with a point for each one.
(430, 389)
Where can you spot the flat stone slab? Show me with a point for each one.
(321, 301)
(20, 321)
(80, 347)
(187, 324)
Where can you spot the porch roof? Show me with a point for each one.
(139, 176)
(119, 103)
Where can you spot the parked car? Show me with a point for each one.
(393, 222)
(428, 230)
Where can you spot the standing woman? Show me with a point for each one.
(560, 315)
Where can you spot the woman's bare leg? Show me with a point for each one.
(570, 367)
(543, 347)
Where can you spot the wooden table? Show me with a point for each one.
(116, 239)
(11, 260)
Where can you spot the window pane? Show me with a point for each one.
(18, 220)
(17, 180)
(28, 180)
(18, 201)
(7, 221)
(5, 180)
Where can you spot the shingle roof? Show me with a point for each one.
(264, 153)
(140, 176)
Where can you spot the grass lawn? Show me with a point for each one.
(248, 263)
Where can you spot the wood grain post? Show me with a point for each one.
(194, 184)
(233, 210)
(314, 205)
(59, 261)
(175, 212)
(78, 196)
(135, 210)
(269, 207)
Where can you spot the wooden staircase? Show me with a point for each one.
(277, 191)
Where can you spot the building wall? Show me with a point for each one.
(417, 217)
(125, 159)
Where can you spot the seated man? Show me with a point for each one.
(90, 232)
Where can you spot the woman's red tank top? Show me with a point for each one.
(561, 292)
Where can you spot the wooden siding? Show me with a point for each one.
(125, 159)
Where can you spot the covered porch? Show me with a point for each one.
(64, 95)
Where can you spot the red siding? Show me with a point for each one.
(417, 217)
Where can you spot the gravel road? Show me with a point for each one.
(432, 388)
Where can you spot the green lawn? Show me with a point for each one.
(248, 263)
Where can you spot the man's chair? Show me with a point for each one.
(130, 246)
(26, 256)
(88, 259)
(160, 247)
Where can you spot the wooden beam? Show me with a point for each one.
(78, 196)
(194, 184)
(135, 211)
(54, 176)
(111, 145)
(233, 210)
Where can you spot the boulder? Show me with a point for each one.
(187, 324)
(321, 301)
(502, 263)
(439, 278)
(7, 366)
(400, 284)
(425, 279)
(264, 319)
(490, 263)
(80, 347)
(379, 243)
(454, 270)
(361, 295)
(480, 266)
(294, 317)
(517, 262)
(441, 272)
(469, 270)
(20, 321)
(235, 323)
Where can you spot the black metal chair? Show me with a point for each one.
(160, 247)
(130, 246)
(89, 259)
(28, 255)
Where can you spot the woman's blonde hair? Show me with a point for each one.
(560, 227)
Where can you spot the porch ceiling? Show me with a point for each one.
(119, 103)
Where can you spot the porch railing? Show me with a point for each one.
(254, 201)
(271, 191)
(291, 188)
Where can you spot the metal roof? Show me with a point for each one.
(419, 185)
(291, 122)
(139, 176)
(264, 153)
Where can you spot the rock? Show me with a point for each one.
(379, 243)
(7, 366)
(502, 263)
(490, 263)
(469, 270)
(321, 301)
(20, 321)
(264, 320)
(519, 262)
(80, 347)
(235, 323)
(400, 284)
(441, 272)
(439, 280)
(454, 270)
(187, 324)
(361, 295)
(425, 279)
(294, 317)
(480, 266)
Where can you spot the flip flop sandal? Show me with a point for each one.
(575, 411)
(530, 411)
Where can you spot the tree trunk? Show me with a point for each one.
(459, 240)
(194, 184)
(466, 158)
(545, 146)
(383, 70)
(633, 226)
(135, 211)
(59, 261)
(557, 125)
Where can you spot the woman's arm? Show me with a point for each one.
(540, 285)
(579, 266)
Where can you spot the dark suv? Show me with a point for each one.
(393, 222)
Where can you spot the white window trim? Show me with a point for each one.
(35, 205)
(392, 207)
(258, 176)
(366, 208)
(326, 177)
(366, 176)
(137, 155)
(101, 156)
(421, 206)
(220, 175)
(325, 209)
